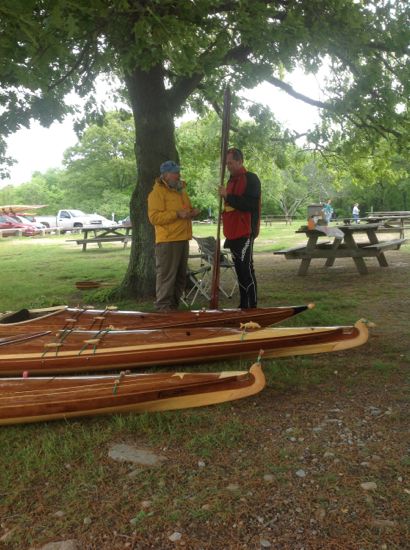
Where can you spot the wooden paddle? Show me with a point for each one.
(226, 122)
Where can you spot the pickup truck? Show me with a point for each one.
(66, 220)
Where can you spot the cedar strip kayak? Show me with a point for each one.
(26, 400)
(63, 317)
(67, 351)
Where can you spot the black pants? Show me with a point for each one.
(242, 256)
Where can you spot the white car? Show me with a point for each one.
(105, 222)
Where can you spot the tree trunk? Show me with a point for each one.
(155, 143)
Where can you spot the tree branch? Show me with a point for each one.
(73, 68)
(184, 86)
(297, 95)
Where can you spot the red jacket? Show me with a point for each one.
(241, 215)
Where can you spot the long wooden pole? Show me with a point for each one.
(226, 123)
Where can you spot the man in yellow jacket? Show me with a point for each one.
(170, 212)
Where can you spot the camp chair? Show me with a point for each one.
(206, 247)
(197, 284)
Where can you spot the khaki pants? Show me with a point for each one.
(171, 262)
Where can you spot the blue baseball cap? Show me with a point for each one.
(169, 166)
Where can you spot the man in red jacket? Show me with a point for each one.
(241, 219)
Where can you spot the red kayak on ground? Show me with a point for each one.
(63, 317)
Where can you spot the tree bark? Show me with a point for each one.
(154, 144)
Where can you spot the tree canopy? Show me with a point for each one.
(99, 171)
(170, 55)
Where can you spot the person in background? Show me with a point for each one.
(241, 220)
(170, 212)
(356, 212)
(328, 211)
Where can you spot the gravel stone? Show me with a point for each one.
(368, 486)
(128, 453)
(175, 537)
(384, 523)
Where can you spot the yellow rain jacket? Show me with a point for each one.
(163, 205)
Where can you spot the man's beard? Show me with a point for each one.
(177, 185)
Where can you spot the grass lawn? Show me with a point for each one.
(40, 272)
(284, 468)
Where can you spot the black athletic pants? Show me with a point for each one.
(242, 256)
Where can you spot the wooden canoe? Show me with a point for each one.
(85, 351)
(63, 317)
(26, 400)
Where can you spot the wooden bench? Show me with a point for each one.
(114, 238)
(99, 240)
(269, 219)
(326, 250)
(394, 244)
(300, 248)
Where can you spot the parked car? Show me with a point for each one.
(23, 219)
(125, 221)
(70, 219)
(6, 222)
(105, 221)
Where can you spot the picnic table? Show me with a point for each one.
(269, 219)
(343, 244)
(393, 222)
(100, 235)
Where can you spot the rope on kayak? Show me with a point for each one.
(64, 333)
(94, 341)
(118, 380)
(248, 325)
(261, 352)
(102, 317)
(70, 320)
(50, 346)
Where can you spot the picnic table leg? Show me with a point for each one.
(98, 242)
(359, 262)
(381, 258)
(305, 263)
(127, 233)
(304, 266)
(85, 239)
(335, 246)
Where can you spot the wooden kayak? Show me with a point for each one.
(66, 351)
(63, 317)
(26, 400)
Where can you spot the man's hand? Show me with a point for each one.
(188, 214)
(184, 214)
(222, 191)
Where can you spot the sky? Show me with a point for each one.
(37, 149)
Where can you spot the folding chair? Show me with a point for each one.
(206, 247)
(198, 282)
